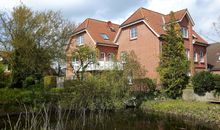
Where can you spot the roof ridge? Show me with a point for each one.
(133, 14)
(98, 20)
(177, 11)
(152, 11)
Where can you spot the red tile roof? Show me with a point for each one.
(199, 38)
(154, 19)
(97, 27)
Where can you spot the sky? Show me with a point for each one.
(203, 12)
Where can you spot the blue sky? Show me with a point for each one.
(204, 12)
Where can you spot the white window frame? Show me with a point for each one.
(187, 54)
(112, 56)
(133, 33)
(80, 40)
(195, 55)
(202, 58)
(102, 59)
(185, 32)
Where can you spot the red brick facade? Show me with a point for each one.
(147, 44)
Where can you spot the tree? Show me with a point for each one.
(203, 82)
(36, 39)
(85, 55)
(132, 68)
(174, 65)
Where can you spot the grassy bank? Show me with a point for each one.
(201, 111)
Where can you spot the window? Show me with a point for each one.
(184, 32)
(133, 33)
(110, 56)
(80, 40)
(187, 54)
(122, 57)
(218, 58)
(104, 36)
(195, 56)
(102, 56)
(202, 56)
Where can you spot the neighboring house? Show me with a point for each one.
(97, 34)
(213, 56)
(141, 34)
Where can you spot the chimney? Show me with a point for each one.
(109, 24)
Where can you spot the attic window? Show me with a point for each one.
(104, 36)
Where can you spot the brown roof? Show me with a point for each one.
(97, 27)
(213, 53)
(199, 39)
(154, 19)
(178, 15)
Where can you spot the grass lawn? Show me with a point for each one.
(198, 110)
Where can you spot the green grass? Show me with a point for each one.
(199, 110)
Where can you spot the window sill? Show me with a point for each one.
(134, 38)
(195, 61)
(80, 44)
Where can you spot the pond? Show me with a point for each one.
(121, 120)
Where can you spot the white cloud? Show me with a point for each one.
(204, 13)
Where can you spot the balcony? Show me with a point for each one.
(99, 66)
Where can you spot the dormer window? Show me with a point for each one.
(184, 32)
(202, 57)
(104, 36)
(133, 33)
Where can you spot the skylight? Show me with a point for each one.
(104, 36)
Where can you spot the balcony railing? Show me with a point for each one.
(100, 65)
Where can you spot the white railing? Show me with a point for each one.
(100, 65)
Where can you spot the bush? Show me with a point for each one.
(217, 83)
(203, 82)
(50, 81)
(29, 81)
(145, 84)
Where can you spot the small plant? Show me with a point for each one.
(203, 82)
(50, 81)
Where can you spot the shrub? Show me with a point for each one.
(50, 81)
(217, 83)
(29, 81)
(203, 82)
(145, 84)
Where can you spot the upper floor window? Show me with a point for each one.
(184, 32)
(195, 56)
(102, 56)
(80, 40)
(202, 59)
(187, 54)
(104, 36)
(133, 33)
(110, 56)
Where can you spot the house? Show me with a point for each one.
(141, 34)
(213, 56)
(97, 34)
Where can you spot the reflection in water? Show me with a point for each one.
(121, 120)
